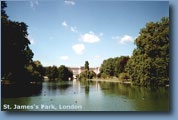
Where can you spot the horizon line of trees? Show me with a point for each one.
(148, 65)
(55, 73)
(113, 67)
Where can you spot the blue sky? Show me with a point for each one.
(70, 32)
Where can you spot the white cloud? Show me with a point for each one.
(89, 37)
(64, 58)
(69, 2)
(33, 3)
(64, 24)
(31, 39)
(124, 39)
(73, 29)
(78, 48)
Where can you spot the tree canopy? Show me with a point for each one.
(113, 66)
(36, 71)
(16, 53)
(87, 73)
(58, 73)
(52, 72)
(149, 64)
(64, 73)
(86, 65)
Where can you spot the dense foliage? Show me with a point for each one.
(36, 71)
(149, 64)
(112, 67)
(64, 73)
(58, 73)
(17, 63)
(87, 73)
(86, 65)
(16, 54)
(52, 73)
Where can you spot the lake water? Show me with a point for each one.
(86, 96)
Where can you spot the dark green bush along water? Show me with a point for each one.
(84, 96)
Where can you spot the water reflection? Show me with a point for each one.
(145, 98)
(24, 90)
(133, 92)
(56, 88)
(87, 90)
(93, 95)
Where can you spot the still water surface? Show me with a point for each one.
(90, 96)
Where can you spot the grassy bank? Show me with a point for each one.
(112, 80)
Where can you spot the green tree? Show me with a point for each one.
(149, 64)
(86, 65)
(64, 73)
(15, 54)
(91, 75)
(113, 66)
(87, 75)
(36, 71)
(39, 67)
(52, 73)
(123, 76)
(120, 63)
(3, 13)
(104, 75)
(107, 67)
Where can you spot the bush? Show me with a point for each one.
(104, 75)
(87, 74)
(124, 76)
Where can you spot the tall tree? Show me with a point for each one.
(87, 74)
(64, 73)
(149, 64)
(16, 54)
(86, 65)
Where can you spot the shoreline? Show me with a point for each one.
(119, 81)
(110, 80)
